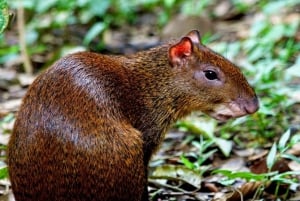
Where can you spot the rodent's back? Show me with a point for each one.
(68, 126)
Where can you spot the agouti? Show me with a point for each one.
(89, 124)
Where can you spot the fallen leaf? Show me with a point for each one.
(178, 173)
(245, 191)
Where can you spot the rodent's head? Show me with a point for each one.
(215, 85)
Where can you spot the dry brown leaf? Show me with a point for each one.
(210, 187)
(234, 164)
(26, 79)
(294, 166)
(295, 197)
(178, 173)
(7, 197)
(260, 166)
(10, 106)
(245, 191)
(295, 150)
(244, 152)
(258, 156)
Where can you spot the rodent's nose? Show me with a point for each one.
(251, 106)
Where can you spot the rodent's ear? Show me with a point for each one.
(195, 37)
(180, 51)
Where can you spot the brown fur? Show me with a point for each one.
(88, 125)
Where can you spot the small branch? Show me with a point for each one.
(22, 41)
(178, 191)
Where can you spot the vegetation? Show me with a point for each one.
(267, 50)
(3, 15)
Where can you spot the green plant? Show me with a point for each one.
(206, 128)
(201, 156)
(8, 119)
(280, 150)
(194, 7)
(277, 151)
(3, 15)
(3, 171)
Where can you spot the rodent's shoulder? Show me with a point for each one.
(87, 58)
(88, 61)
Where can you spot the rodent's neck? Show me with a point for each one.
(152, 103)
(150, 80)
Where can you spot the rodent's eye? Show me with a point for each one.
(211, 75)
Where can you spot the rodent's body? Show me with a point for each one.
(88, 126)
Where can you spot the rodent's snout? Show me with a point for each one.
(250, 106)
(234, 109)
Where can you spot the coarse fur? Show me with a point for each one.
(88, 125)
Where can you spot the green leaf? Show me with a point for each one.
(203, 145)
(290, 156)
(205, 156)
(285, 177)
(99, 8)
(44, 6)
(283, 140)
(272, 7)
(271, 158)
(227, 182)
(224, 145)
(288, 173)
(186, 162)
(3, 15)
(258, 28)
(194, 125)
(169, 3)
(3, 172)
(294, 70)
(244, 175)
(249, 176)
(295, 139)
(93, 32)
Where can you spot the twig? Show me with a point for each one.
(22, 41)
(178, 190)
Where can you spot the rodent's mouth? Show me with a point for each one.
(223, 117)
(220, 117)
(233, 109)
(224, 112)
